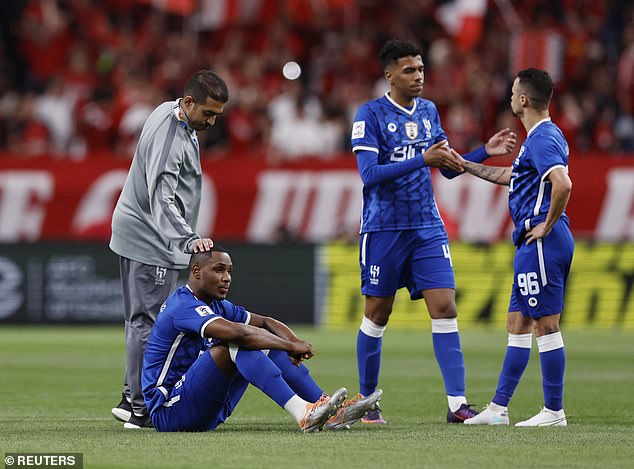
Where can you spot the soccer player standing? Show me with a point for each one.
(154, 221)
(539, 189)
(396, 139)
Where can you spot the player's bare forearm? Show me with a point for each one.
(274, 326)
(280, 329)
(559, 196)
(495, 174)
(253, 337)
(560, 193)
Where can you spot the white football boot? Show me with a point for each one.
(492, 414)
(546, 418)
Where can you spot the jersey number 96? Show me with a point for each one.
(528, 283)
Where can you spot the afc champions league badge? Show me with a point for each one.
(411, 130)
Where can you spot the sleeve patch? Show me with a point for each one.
(358, 129)
(204, 311)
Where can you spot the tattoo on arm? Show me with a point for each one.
(496, 174)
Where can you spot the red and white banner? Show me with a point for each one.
(541, 48)
(464, 20)
(244, 200)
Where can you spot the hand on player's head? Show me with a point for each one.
(203, 245)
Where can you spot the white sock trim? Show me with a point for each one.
(455, 402)
(371, 329)
(234, 349)
(296, 406)
(497, 407)
(444, 326)
(520, 340)
(233, 352)
(549, 342)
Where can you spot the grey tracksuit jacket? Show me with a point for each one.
(155, 218)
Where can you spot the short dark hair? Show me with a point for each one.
(538, 85)
(202, 257)
(204, 84)
(395, 49)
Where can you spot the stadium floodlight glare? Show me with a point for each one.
(291, 70)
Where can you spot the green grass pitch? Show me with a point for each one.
(59, 383)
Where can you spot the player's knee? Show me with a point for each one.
(441, 303)
(378, 310)
(380, 318)
(518, 324)
(545, 329)
(444, 310)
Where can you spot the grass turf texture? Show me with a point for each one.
(59, 384)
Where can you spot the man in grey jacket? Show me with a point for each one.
(154, 221)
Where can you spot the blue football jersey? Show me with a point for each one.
(397, 134)
(177, 340)
(544, 149)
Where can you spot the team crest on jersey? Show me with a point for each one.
(204, 311)
(411, 130)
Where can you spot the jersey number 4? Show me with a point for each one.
(447, 253)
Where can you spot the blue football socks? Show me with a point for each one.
(552, 356)
(260, 371)
(518, 354)
(449, 356)
(369, 346)
(297, 377)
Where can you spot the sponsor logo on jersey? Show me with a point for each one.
(204, 311)
(391, 127)
(411, 130)
(358, 129)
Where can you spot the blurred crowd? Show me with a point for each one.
(78, 78)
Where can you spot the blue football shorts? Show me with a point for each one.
(416, 259)
(202, 400)
(540, 273)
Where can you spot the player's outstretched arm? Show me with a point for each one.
(500, 143)
(439, 155)
(495, 174)
(373, 173)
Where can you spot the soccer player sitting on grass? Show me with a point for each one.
(204, 351)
